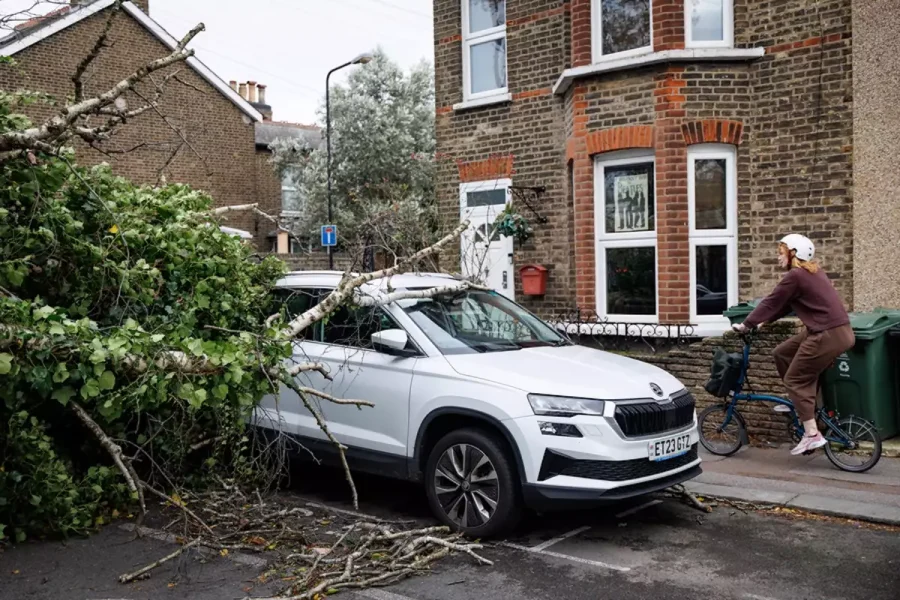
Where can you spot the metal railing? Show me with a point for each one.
(586, 327)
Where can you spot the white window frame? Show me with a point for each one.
(727, 40)
(714, 237)
(479, 37)
(604, 240)
(293, 188)
(597, 36)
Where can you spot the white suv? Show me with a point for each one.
(484, 403)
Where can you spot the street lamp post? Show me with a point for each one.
(362, 59)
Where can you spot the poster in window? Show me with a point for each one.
(631, 197)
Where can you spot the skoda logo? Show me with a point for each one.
(656, 390)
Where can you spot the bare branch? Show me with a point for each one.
(348, 286)
(99, 45)
(224, 209)
(320, 421)
(302, 367)
(143, 571)
(380, 299)
(58, 128)
(115, 451)
(330, 398)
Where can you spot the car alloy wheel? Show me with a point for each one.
(466, 485)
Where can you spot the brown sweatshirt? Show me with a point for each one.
(810, 295)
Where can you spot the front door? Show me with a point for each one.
(485, 255)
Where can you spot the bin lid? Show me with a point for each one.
(742, 308)
(870, 325)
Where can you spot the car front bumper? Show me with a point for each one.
(602, 465)
(547, 498)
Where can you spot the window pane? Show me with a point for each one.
(296, 302)
(629, 198)
(291, 200)
(712, 279)
(488, 65)
(710, 194)
(707, 20)
(354, 326)
(631, 281)
(625, 25)
(485, 14)
(486, 197)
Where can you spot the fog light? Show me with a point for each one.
(561, 429)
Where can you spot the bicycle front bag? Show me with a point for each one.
(724, 373)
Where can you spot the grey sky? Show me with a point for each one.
(289, 45)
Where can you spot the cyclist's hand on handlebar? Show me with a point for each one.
(740, 329)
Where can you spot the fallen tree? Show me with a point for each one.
(136, 337)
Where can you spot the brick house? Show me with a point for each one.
(660, 148)
(219, 152)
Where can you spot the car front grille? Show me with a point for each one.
(610, 470)
(648, 418)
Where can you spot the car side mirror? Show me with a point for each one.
(392, 341)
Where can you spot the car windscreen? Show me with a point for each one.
(478, 321)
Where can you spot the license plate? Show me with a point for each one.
(669, 447)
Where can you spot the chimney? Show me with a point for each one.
(242, 90)
(233, 84)
(259, 101)
(251, 91)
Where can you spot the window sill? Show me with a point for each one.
(479, 102)
(654, 58)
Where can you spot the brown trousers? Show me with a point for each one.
(803, 358)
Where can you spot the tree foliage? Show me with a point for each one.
(382, 160)
(131, 302)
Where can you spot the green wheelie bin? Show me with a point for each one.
(862, 381)
(737, 313)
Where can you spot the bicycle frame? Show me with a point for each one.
(739, 395)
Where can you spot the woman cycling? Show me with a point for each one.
(805, 290)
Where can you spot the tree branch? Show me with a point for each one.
(115, 451)
(380, 299)
(348, 286)
(99, 45)
(58, 128)
(302, 367)
(320, 421)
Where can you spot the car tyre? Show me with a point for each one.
(472, 485)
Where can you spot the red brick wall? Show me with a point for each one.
(793, 150)
(220, 158)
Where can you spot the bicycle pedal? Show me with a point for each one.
(808, 452)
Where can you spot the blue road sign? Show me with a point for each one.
(329, 235)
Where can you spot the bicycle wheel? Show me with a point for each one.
(722, 441)
(863, 447)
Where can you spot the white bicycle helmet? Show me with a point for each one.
(800, 244)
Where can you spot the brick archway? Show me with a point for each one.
(495, 167)
(713, 131)
(619, 138)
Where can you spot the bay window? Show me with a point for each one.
(709, 23)
(712, 215)
(624, 195)
(484, 48)
(621, 28)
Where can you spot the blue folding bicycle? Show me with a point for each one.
(854, 443)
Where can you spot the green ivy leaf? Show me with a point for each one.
(156, 338)
(90, 389)
(220, 392)
(5, 363)
(107, 380)
(63, 394)
(57, 329)
(43, 312)
(202, 301)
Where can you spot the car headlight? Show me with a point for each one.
(561, 406)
